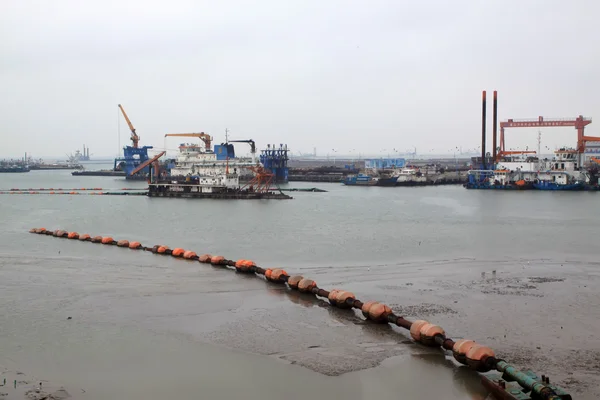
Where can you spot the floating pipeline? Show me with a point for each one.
(316, 190)
(86, 193)
(480, 358)
(66, 190)
(119, 192)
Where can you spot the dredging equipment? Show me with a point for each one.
(478, 357)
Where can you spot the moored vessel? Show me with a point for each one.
(14, 168)
(360, 180)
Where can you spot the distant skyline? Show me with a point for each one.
(344, 76)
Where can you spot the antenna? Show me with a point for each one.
(226, 135)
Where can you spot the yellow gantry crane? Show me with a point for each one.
(207, 139)
(134, 136)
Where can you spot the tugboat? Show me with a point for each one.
(562, 173)
(360, 180)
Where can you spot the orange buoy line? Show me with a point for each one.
(64, 190)
(467, 352)
(137, 192)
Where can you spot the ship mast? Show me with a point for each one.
(539, 149)
(227, 150)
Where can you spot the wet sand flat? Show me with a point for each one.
(157, 326)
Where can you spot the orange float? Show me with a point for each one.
(85, 236)
(244, 265)
(73, 235)
(97, 239)
(332, 295)
(177, 252)
(162, 249)
(366, 307)
(123, 243)
(415, 329)
(376, 311)
(306, 285)
(135, 245)
(339, 298)
(107, 240)
(275, 275)
(293, 281)
(188, 255)
(428, 332)
(217, 260)
(476, 357)
(460, 349)
(205, 258)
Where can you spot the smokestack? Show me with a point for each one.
(495, 127)
(483, 130)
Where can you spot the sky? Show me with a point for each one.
(346, 77)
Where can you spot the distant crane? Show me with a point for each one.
(134, 136)
(578, 123)
(207, 139)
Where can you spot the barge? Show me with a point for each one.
(225, 186)
(14, 169)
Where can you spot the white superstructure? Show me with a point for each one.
(563, 169)
(194, 160)
(207, 184)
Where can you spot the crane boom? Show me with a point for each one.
(207, 139)
(249, 141)
(134, 136)
(148, 162)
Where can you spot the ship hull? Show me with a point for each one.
(555, 186)
(225, 187)
(498, 187)
(236, 195)
(387, 182)
(13, 170)
(359, 180)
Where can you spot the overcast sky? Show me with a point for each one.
(354, 76)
